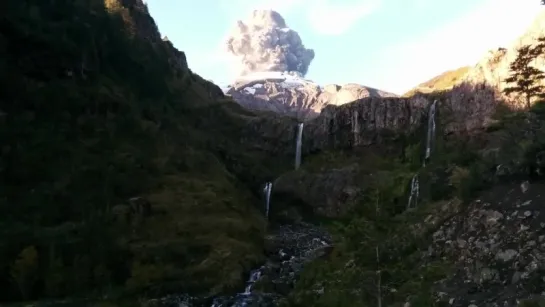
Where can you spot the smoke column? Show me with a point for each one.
(266, 43)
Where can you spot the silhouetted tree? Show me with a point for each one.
(525, 78)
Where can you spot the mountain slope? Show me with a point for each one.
(294, 96)
(493, 68)
(441, 82)
(120, 168)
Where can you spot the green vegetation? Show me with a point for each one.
(120, 171)
(460, 168)
(525, 79)
(533, 303)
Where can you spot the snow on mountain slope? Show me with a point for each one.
(292, 95)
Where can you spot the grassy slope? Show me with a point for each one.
(92, 115)
(443, 81)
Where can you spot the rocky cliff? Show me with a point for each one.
(475, 236)
(291, 95)
(464, 109)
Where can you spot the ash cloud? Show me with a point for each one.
(266, 43)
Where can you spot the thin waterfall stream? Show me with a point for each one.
(415, 191)
(431, 131)
(267, 193)
(298, 145)
(430, 137)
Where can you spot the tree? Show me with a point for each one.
(526, 79)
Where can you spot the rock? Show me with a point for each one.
(516, 277)
(329, 193)
(498, 258)
(488, 274)
(295, 96)
(524, 186)
(290, 215)
(507, 255)
(492, 217)
(376, 120)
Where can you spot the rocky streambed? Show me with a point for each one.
(288, 247)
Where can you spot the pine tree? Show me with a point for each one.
(525, 78)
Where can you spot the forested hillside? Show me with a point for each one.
(120, 169)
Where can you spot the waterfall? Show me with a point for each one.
(267, 192)
(298, 145)
(355, 128)
(415, 191)
(431, 130)
(254, 276)
(430, 136)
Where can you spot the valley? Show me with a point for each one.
(130, 180)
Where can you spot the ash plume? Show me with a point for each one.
(266, 43)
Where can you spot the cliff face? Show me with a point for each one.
(476, 235)
(294, 96)
(377, 123)
(463, 109)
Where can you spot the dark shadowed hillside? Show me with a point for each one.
(120, 169)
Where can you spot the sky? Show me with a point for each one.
(392, 45)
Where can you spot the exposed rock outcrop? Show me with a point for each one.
(330, 193)
(498, 247)
(294, 96)
(370, 120)
(465, 109)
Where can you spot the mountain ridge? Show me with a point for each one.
(294, 96)
(492, 68)
(443, 81)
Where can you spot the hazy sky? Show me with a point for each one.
(389, 44)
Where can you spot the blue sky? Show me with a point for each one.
(389, 44)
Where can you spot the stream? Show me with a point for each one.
(289, 247)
